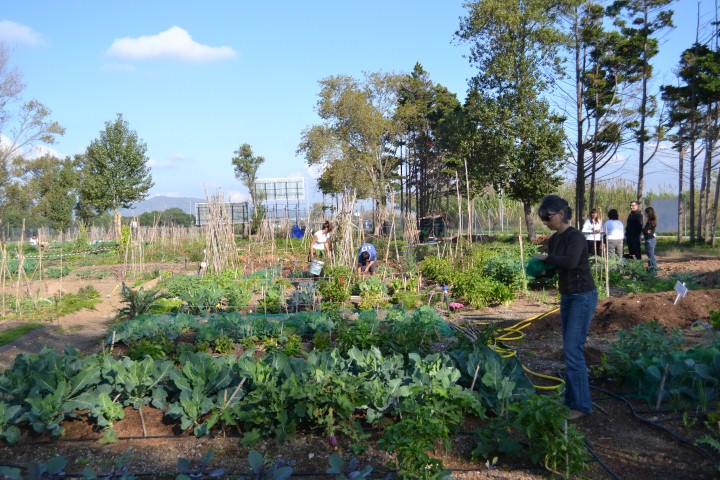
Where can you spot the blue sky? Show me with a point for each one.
(198, 79)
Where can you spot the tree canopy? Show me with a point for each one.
(246, 166)
(355, 143)
(115, 172)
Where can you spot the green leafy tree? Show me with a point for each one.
(694, 115)
(170, 217)
(46, 185)
(23, 126)
(638, 21)
(515, 45)
(355, 144)
(246, 166)
(115, 173)
(422, 107)
(599, 120)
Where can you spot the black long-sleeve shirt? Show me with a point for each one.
(634, 224)
(568, 253)
(649, 230)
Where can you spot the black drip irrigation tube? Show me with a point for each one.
(715, 463)
(610, 395)
(600, 462)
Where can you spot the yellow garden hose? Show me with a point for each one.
(514, 333)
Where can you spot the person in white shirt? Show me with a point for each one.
(320, 244)
(614, 234)
(593, 233)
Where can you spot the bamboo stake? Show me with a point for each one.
(460, 225)
(4, 277)
(522, 254)
(606, 249)
(470, 212)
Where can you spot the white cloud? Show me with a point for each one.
(152, 163)
(174, 43)
(13, 32)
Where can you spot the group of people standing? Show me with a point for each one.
(613, 232)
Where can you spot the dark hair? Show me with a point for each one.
(650, 212)
(327, 226)
(552, 204)
(364, 257)
(613, 214)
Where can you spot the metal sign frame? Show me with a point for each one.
(280, 189)
(236, 213)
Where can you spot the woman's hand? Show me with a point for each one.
(540, 256)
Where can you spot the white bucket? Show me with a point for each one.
(316, 266)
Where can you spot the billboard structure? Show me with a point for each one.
(280, 189)
(236, 213)
(282, 197)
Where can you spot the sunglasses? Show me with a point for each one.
(546, 217)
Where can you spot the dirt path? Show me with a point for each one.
(85, 329)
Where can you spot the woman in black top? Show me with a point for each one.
(649, 236)
(568, 254)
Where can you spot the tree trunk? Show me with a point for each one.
(643, 115)
(681, 213)
(691, 191)
(704, 196)
(713, 223)
(580, 174)
(117, 224)
(529, 222)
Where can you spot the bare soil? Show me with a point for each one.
(629, 441)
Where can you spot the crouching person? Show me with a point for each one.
(367, 260)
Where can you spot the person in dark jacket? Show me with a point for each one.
(568, 254)
(649, 236)
(633, 230)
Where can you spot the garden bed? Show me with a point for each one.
(631, 442)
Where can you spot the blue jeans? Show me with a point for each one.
(650, 252)
(576, 312)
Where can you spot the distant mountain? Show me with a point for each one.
(160, 204)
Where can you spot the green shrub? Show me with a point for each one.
(321, 341)
(92, 274)
(86, 297)
(439, 269)
(56, 272)
(335, 287)
(223, 344)
(138, 301)
(406, 298)
(272, 301)
(157, 348)
(643, 339)
(372, 293)
(505, 269)
(480, 291)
